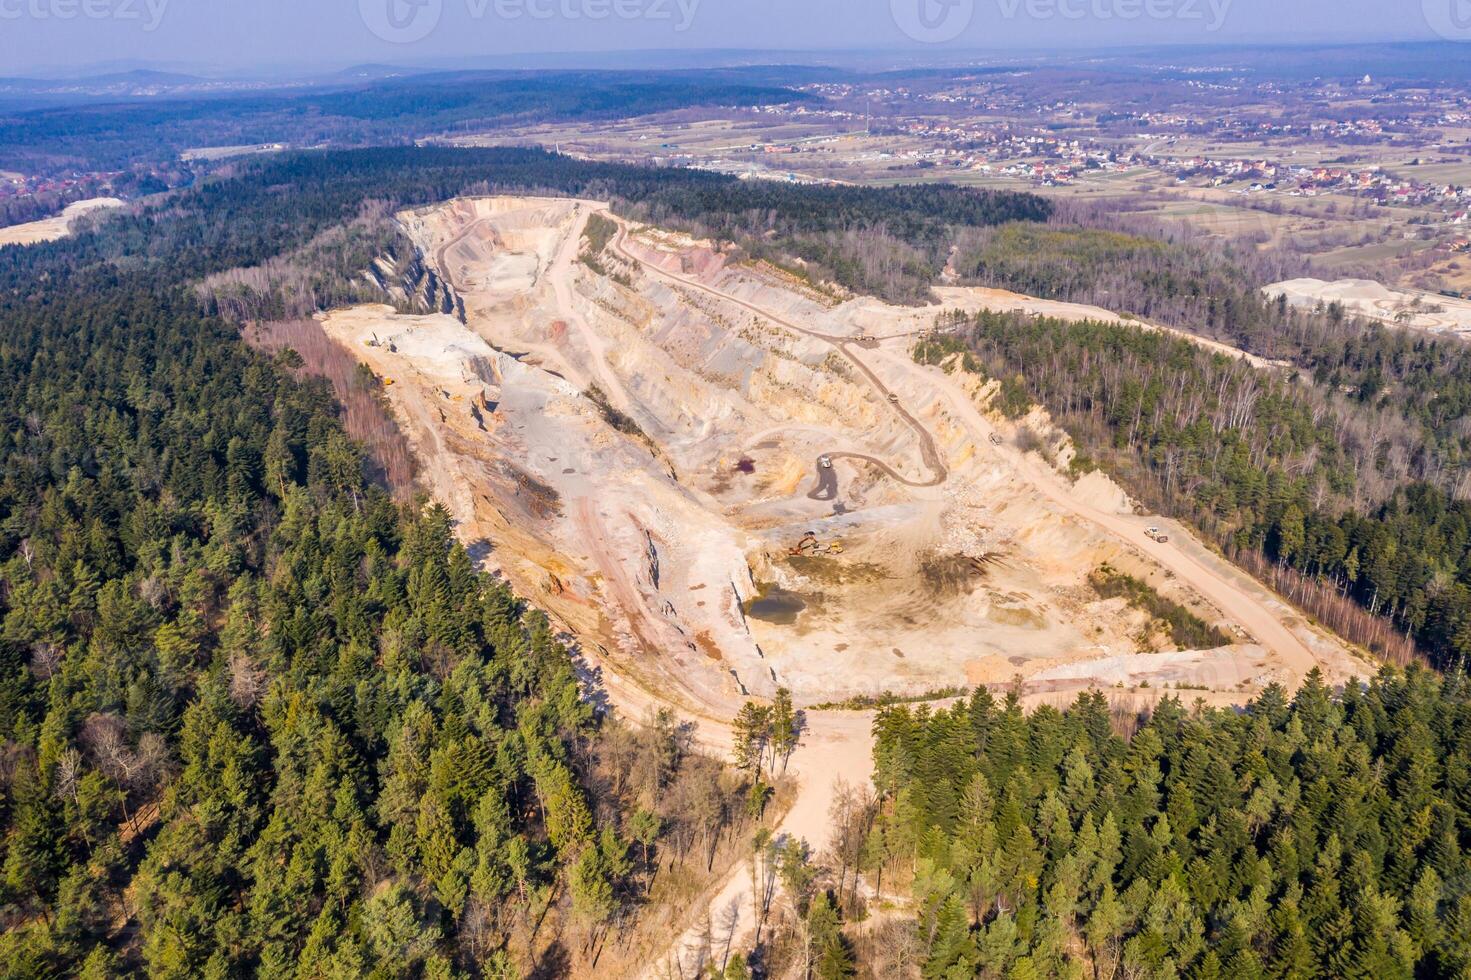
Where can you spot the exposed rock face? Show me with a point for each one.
(412, 284)
(641, 453)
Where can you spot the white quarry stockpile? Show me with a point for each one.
(1364, 297)
(50, 229)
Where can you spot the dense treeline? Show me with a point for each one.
(1325, 837)
(1105, 262)
(892, 242)
(1215, 427)
(1261, 463)
(1211, 291)
(254, 716)
(116, 135)
(290, 722)
(335, 208)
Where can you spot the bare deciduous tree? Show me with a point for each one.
(45, 658)
(134, 770)
(247, 680)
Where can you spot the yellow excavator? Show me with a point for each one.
(809, 545)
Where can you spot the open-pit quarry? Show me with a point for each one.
(1408, 308)
(719, 479)
(60, 226)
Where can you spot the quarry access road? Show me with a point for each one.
(929, 452)
(827, 481)
(439, 254)
(1236, 602)
(1237, 596)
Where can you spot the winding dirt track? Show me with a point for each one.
(1230, 598)
(439, 253)
(933, 460)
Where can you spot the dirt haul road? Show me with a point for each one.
(933, 461)
(1247, 610)
(836, 745)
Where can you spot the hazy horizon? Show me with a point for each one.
(59, 37)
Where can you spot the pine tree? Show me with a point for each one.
(752, 734)
(783, 728)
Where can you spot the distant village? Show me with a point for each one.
(13, 185)
(1044, 159)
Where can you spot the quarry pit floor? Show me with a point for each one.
(717, 480)
(720, 479)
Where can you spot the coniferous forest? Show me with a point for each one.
(261, 715)
(1316, 836)
(256, 716)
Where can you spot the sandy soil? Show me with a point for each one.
(946, 556)
(956, 567)
(971, 298)
(1397, 307)
(1284, 643)
(50, 229)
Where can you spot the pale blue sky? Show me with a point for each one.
(329, 34)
